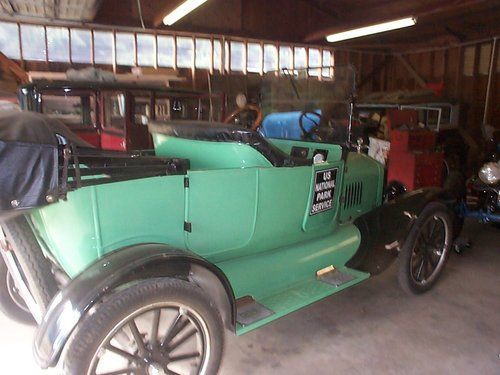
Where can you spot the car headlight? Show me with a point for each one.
(490, 173)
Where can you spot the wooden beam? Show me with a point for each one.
(7, 7)
(15, 69)
(421, 82)
(320, 8)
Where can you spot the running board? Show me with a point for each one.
(252, 314)
(250, 311)
(333, 276)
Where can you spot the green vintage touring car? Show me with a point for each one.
(154, 255)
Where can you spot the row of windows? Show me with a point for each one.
(62, 44)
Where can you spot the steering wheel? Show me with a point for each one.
(247, 107)
(314, 129)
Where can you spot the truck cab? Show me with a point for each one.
(114, 115)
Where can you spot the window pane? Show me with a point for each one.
(254, 56)
(142, 110)
(203, 53)
(285, 58)
(498, 61)
(468, 63)
(270, 58)
(314, 61)
(226, 56)
(327, 61)
(166, 51)
(9, 40)
(237, 56)
(146, 50)
(103, 47)
(33, 42)
(125, 49)
(114, 107)
(185, 52)
(300, 57)
(80, 46)
(217, 55)
(484, 58)
(58, 44)
(162, 109)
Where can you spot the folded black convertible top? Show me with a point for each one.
(41, 159)
(31, 127)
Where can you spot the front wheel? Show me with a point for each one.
(426, 250)
(158, 326)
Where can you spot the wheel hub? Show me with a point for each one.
(14, 293)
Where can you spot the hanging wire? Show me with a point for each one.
(139, 7)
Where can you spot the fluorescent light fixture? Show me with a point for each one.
(186, 7)
(373, 29)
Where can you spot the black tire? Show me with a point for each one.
(108, 319)
(11, 303)
(418, 249)
(35, 267)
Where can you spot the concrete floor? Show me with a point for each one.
(373, 328)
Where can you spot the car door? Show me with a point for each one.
(221, 209)
(141, 112)
(113, 120)
(297, 203)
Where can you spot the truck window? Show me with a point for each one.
(162, 109)
(76, 111)
(114, 108)
(142, 110)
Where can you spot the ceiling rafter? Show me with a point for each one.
(382, 16)
(77, 10)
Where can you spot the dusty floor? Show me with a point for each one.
(373, 328)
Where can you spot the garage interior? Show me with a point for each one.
(451, 55)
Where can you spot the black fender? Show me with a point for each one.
(384, 229)
(117, 269)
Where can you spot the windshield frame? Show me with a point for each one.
(349, 99)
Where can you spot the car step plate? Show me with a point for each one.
(249, 311)
(333, 276)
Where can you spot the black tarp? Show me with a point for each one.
(29, 158)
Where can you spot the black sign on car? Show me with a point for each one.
(324, 190)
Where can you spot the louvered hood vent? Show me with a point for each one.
(353, 194)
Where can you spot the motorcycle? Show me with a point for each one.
(483, 190)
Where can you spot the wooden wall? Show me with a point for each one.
(463, 70)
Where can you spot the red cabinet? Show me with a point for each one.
(416, 169)
(413, 140)
(412, 160)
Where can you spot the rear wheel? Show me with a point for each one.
(159, 326)
(11, 302)
(34, 268)
(426, 249)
